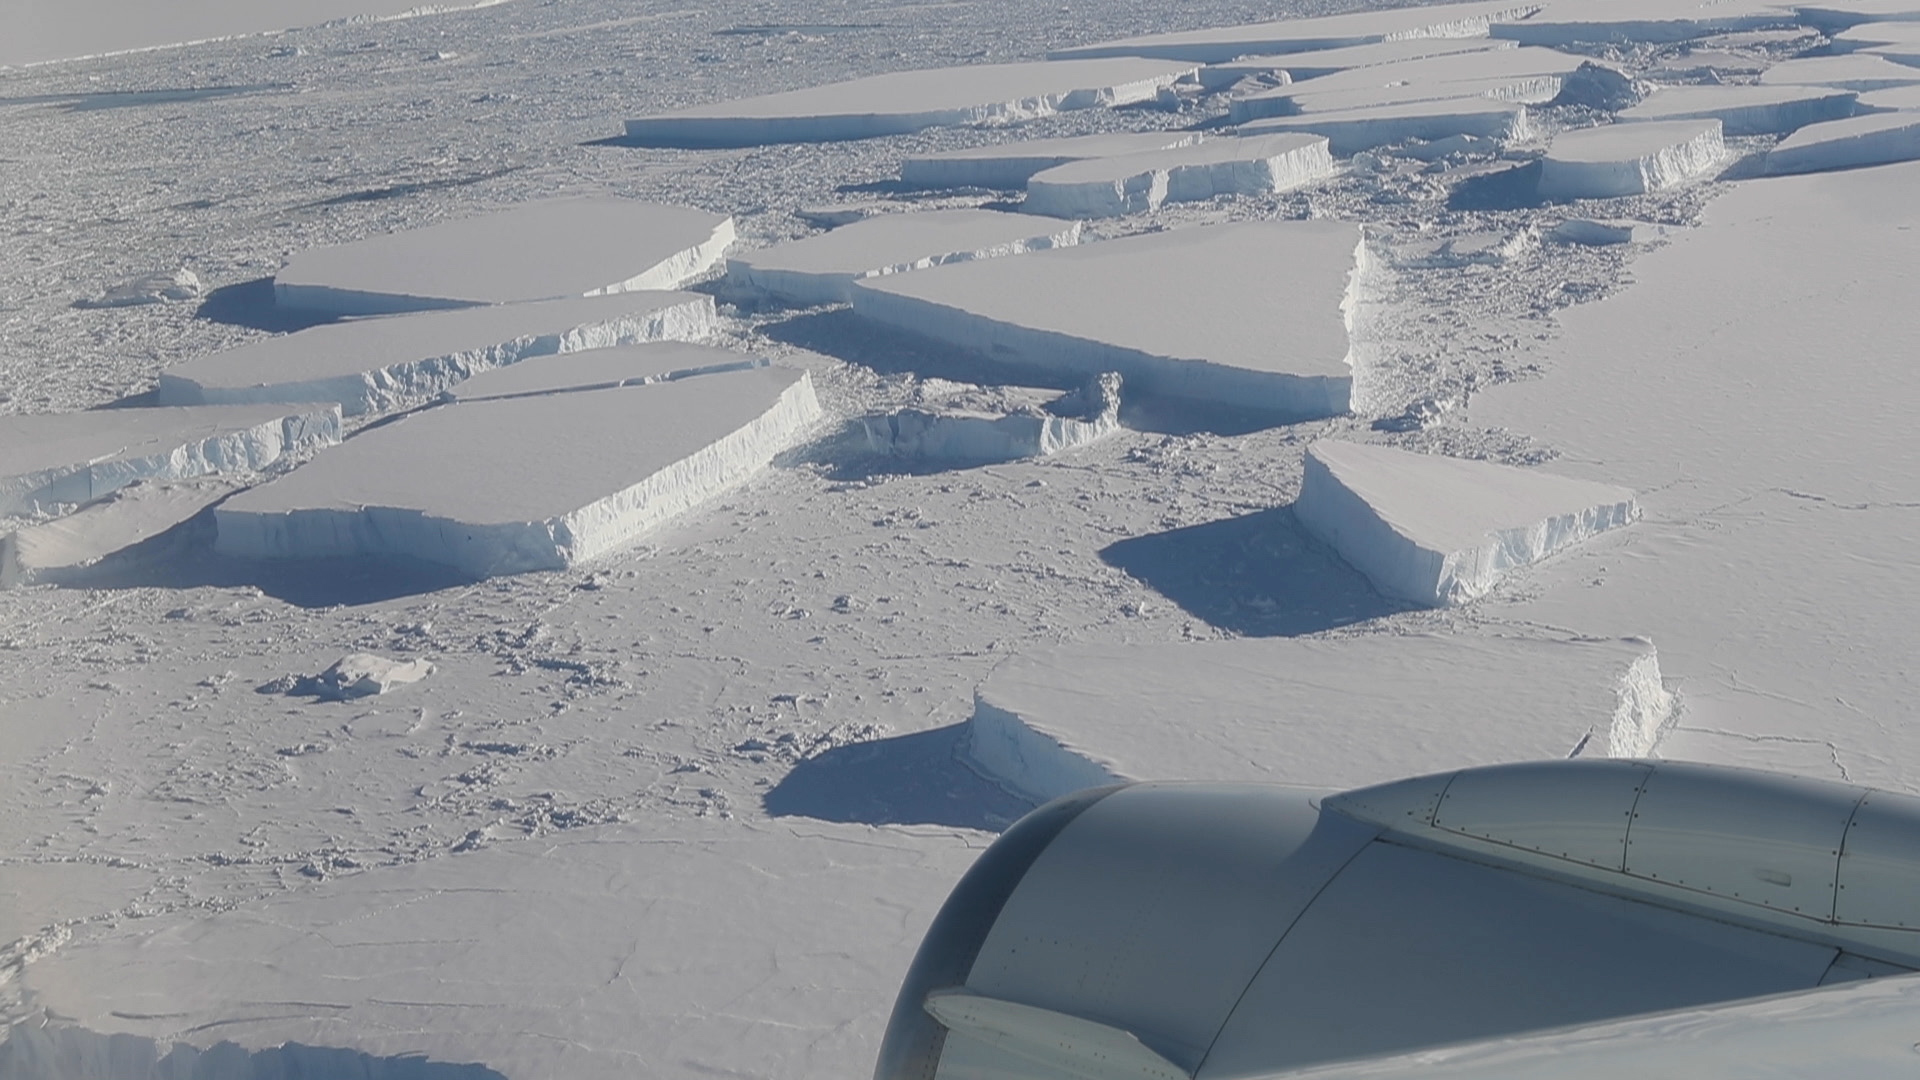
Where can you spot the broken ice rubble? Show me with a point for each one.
(956, 424)
(1135, 183)
(1007, 166)
(361, 675)
(1630, 159)
(1746, 110)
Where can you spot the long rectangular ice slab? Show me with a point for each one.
(1335, 712)
(373, 365)
(1007, 166)
(1349, 132)
(1254, 315)
(1623, 22)
(907, 101)
(1214, 45)
(1746, 110)
(1320, 63)
(585, 471)
(1852, 71)
(537, 251)
(79, 457)
(1630, 159)
(821, 269)
(1527, 75)
(1440, 531)
(1879, 139)
(1135, 183)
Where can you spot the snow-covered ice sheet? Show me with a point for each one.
(1875, 139)
(46, 459)
(822, 269)
(61, 550)
(1850, 71)
(1349, 132)
(1746, 110)
(1255, 315)
(1136, 183)
(39, 31)
(543, 250)
(1528, 75)
(1325, 713)
(1623, 22)
(908, 101)
(1007, 166)
(1214, 45)
(1438, 530)
(1320, 63)
(588, 470)
(373, 365)
(1630, 159)
(669, 949)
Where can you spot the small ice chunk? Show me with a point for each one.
(1355, 130)
(959, 424)
(1708, 63)
(1301, 66)
(1746, 110)
(1600, 232)
(1470, 249)
(1218, 44)
(1630, 159)
(542, 250)
(1136, 183)
(1441, 531)
(1524, 75)
(1646, 22)
(822, 269)
(155, 288)
(1851, 71)
(1007, 166)
(359, 675)
(60, 551)
(1876, 139)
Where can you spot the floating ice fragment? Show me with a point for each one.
(1524, 75)
(1136, 183)
(1653, 22)
(1746, 110)
(1007, 166)
(61, 551)
(365, 675)
(1630, 159)
(155, 288)
(972, 425)
(1600, 232)
(1853, 71)
(1301, 66)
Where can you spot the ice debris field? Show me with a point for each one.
(540, 539)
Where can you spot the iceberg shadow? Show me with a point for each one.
(912, 779)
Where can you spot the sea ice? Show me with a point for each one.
(61, 551)
(1746, 110)
(1439, 530)
(1630, 159)
(1627, 22)
(908, 101)
(1521, 74)
(1055, 720)
(958, 424)
(373, 365)
(1875, 139)
(1835, 15)
(1355, 130)
(589, 468)
(821, 269)
(1256, 315)
(1136, 183)
(1215, 45)
(1877, 37)
(1007, 166)
(542, 250)
(1851, 71)
(48, 459)
(1298, 67)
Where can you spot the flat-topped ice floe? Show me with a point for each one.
(1007, 166)
(1878, 139)
(1630, 159)
(1212, 46)
(1624, 22)
(1320, 63)
(821, 269)
(601, 450)
(1527, 75)
(1440, 531)
(1255, 315)
(1852, 71)
(1745, 110)
(62, 550)
(78, 457)
(538, 251)
(1136, 183)
(1051, 721)
(373, 365)
(1350, 131)
(909, 101)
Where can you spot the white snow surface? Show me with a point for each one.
(1320, 63)
(1874, 139)
(1351, 131)
(1256, 314)
(1745, 110)
(1529, 75)
(1849, 71)
(1007, 166)
(602, 369)
(543, 250)
(1136, 183)
(1213, 45)
(1440, 531)
(1630, 159)
(821, 269)
(376, 365)
(1336, 712)
(908, 101)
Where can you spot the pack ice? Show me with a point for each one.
(1136, 183)
(542, 250)
(1350, 131)
(1319, 63)
(821, 269)
(78, 457)
(1056, 720)
(1630, 159)
(1526, 75)
(1438, 530)
(1217, 44)
(602, 446)
(1256, 315)
(1745, 110)
(1007, 166)
(908, 101)
(373, 365)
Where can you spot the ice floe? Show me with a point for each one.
(1746, 110)
(958, 424)
(1439, 530)
(1255, 315)
(1875, 139)
(1298, 67)
(603, 369)
(155, 288)
(1055, 720)
(822, 269)
(74, 458)
(542, 250)
(62, 550)
(592, 466)
(359, 675)
(1007, 166)
(1851, 71)
(1218, 44)
(1351, 131)
(1601, 232)
(1630, 159)
(1135, 183)
(908, 101)
(373, 365)
(1521, 74)
(1624, 22)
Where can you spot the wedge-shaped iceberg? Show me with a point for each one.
(62, 550)
(1007, 166)
(1256, 315)
(1527, 75)
(1218, 44)
(373, 365)
(1654, 22)
(1350, 131)
(908, 101)
(1136, 183)
(1746, 110)
(47, 459)
(1441, 531)
(1630, 159)
(821, 269)
(539, 251)
(1852, 71)
(526, 475)
(1322, 712)
(1299, 67)
(1878, 139)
